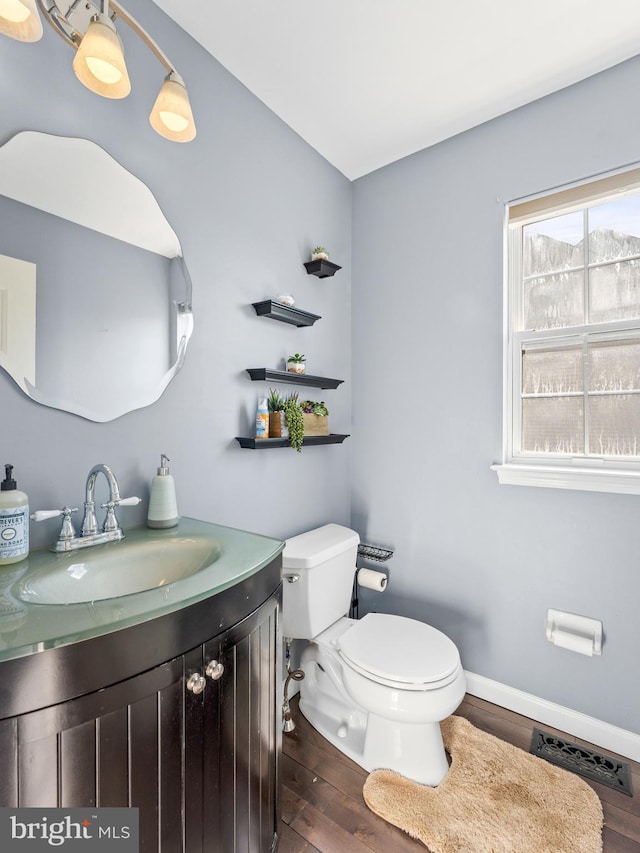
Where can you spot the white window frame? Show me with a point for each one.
(517, 468)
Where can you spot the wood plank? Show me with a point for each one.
(112, 744)
(77, 766)
(9, 753)
(143, 769)
(307, 786)
(322, 832)
(621, 821)
(612, 842)
(343, 778)
(366, 826)
(291, 842)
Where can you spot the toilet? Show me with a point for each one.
(378, 687)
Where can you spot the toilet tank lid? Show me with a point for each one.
(316, 546)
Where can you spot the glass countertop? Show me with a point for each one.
(27, 627)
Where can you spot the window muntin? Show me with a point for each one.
(575, 334)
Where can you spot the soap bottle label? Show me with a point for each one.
(14, 531)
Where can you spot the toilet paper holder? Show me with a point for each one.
(577, 633)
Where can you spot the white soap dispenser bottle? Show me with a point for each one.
(163, 508)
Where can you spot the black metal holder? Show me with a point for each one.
(372, 552)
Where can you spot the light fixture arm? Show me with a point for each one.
(144, 36)
(71, 25)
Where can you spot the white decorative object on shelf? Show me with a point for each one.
(286, 299)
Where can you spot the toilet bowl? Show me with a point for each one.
(378, 687)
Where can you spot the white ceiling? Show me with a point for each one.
(366, 82)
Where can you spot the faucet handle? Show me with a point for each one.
(67, 531)
(44, 514)
(129, 501)
(109, 505)
(111, 522)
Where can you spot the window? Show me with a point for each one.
(573, 361)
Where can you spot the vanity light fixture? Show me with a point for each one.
(19, 20)
(88, 26)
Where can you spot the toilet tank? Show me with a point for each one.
(325, 561)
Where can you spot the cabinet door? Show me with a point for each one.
(122, 746)
(242, 737)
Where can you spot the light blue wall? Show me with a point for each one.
(248, 199)
(482, 561)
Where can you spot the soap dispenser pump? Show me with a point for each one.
(163, 509)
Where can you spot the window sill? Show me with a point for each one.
(556, 477)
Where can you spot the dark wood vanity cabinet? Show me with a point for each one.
(202, 767)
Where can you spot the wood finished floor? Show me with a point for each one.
(323, 809)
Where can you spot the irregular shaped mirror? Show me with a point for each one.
(95, 296)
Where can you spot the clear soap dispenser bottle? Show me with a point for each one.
(163, 508)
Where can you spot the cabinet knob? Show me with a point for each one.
(196, 683)
(214, 669)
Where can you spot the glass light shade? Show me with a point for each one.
(19, 19)
(171, 115)
(99, 61)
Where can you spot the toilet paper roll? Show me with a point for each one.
(573, 642)
(372, 580)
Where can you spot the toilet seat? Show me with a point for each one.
(400, 652)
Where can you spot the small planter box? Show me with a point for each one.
(315, 424)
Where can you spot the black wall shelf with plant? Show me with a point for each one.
(284, 313)
(322, 268)
(269, 443)
(265, 373)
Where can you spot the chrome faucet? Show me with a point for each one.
(111, 531)
(89, 522)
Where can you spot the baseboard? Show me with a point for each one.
(597, 732)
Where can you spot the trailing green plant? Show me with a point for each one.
(294, 420)
(310, 407)
(275, 403)
(297, 358)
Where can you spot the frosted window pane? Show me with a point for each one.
(553, 244)
(553, 425)
(614, 425)
(614, 292)
(554, 301)
(614, 366)
(614, 229)
(557, 371)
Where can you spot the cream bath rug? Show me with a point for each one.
(494, 799)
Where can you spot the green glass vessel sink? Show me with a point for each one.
(118, 569)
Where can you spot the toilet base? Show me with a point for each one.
(415, 750)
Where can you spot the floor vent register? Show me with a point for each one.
(593, 765)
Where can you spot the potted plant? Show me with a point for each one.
(275, 405)
(296, 363)
(294, 420)
(315, 417)
(319, 254)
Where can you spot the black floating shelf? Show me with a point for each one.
(284, 313)
(268, 443)
(264, 373)
(322, 268)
